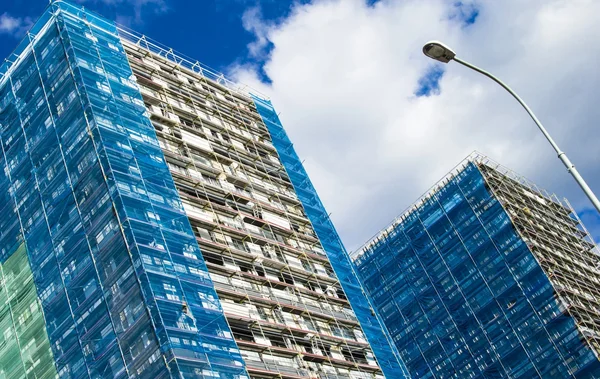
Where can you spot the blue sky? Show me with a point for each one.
(211, 31)
(356, 95)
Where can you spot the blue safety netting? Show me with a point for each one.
(380, 342)
(123, 286)
(24, 345)
(463, 296)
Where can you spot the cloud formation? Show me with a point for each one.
(359, 101)
(14, 26)
(252, 22)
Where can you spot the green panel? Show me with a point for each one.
(24, 346)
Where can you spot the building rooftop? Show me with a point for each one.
(126, 34)
(476, 158)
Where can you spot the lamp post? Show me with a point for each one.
(442, 53)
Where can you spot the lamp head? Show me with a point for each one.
(438, 51)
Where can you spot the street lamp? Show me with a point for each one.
(442, 53)
(438, 51)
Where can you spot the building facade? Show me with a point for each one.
(487, 276)
(159, 224)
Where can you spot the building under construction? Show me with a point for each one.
(487, 276)
(157, 222)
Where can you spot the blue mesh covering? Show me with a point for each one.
(389, 362)
(24, 345)
(463, 296)
(123, 285)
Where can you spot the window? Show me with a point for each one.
(89, 288)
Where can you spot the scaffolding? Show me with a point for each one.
(559, 241)
(24, 347)
(123, 159)
(277, 284)
(375, 331)
(487, 276)
(115, 262)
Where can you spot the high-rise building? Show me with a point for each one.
(487, 276)
(157, 222)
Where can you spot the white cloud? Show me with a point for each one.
(251, 19)
(15, 26)
(344, 76)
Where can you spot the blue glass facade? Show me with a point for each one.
(378, 338)
(123, 287)
(463, 296)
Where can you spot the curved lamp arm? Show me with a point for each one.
(442, 53)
